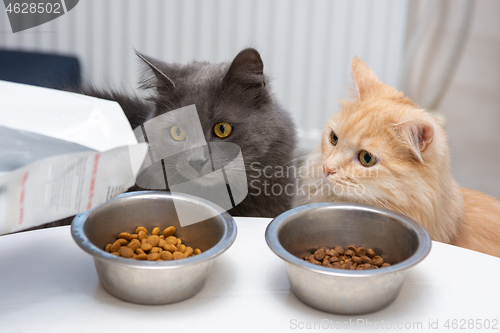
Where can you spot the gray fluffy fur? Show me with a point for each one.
(238, 93)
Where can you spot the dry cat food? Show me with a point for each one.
(142, 246)
(353, 258)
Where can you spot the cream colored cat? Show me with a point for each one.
(381, 149)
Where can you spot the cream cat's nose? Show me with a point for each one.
(328, 171)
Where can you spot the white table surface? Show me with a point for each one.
(48, 284)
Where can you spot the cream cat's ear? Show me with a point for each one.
(417, 134)
(364, 78)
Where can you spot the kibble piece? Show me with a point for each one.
(319, 254)
(313, 260)
(361, 251)
(116, 253)
(370, 253)
(141, 228)
(385, 264)
(134, 236)
(155, 249)
(334, 259)
(165, 255)
(125, 235)
(126, 252)
(153, 240)
(181, 248)
(122, 241)
(161, 243)
(108, 247)
(352, 248)
(142, 235)
(170, 247)
(340, 250)
(134, 244)
(377, 261)
(366, 260)
(178, 242)
(189, 251)
(139, 251)
(357, 260)
(153, 256)
(146, 247)
(115, 246)
(350, 253)
(142, 256)
(178, 255)
(162, 237)
(332, 253)
(171, 240)
(155, 231)
(197, 251)
(169, 231)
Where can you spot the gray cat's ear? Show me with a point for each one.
(364, 78)
(247, 68)
(417, 134)
(159, 69)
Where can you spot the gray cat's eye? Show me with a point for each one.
(177, 133)
(222, 130)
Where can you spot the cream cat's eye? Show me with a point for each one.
(367, 159)
(333, 138)
(177, 133)
(222, 130)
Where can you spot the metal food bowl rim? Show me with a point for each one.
(423, 249)
(227, 239)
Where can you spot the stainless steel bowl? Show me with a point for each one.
(400, 240)
(147, 282)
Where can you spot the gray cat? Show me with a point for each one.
(234, 105)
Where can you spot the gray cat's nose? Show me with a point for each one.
(198, 163)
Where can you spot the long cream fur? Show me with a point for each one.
(412, 173)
